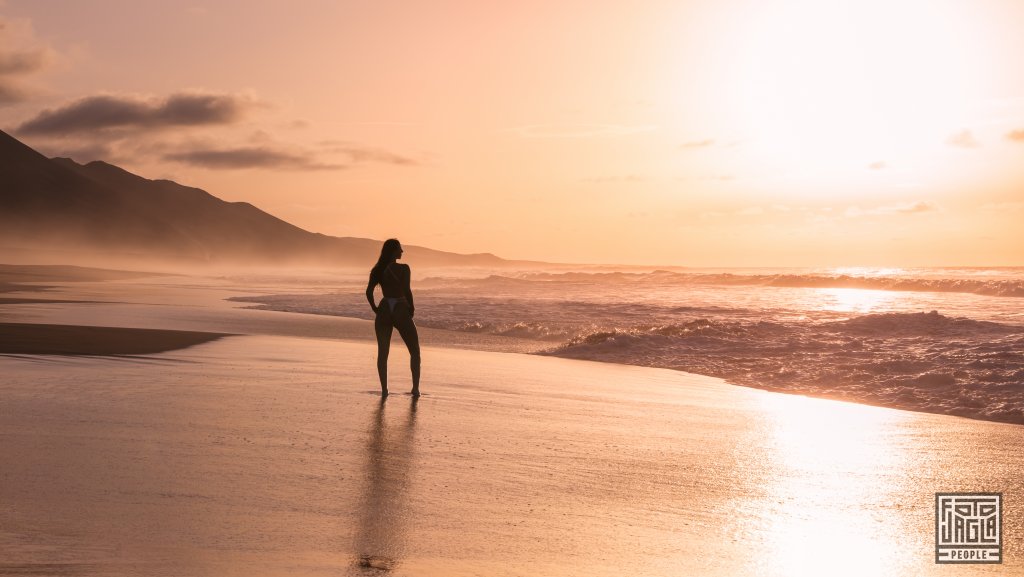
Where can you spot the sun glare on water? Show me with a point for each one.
(849, 300)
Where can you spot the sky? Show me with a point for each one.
(689, 133)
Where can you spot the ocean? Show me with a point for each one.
(941, 340)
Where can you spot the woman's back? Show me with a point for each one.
(394, 280)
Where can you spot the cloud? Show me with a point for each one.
(112, 111)
(376, 155)
(613, 179)
(1015, 135)
(249, 157)
(11, 92)
(21, 56)
(22, 62)
(963, 139)
(711, 214)
(896, 209)
(580, 130)
(260, 150)
(697, 144)
(914, 208)
(133, 128)
(878, 165)
(360, 154)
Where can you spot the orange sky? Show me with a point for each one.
(804, 132)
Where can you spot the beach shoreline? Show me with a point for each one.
(224, 305)
(272, 453)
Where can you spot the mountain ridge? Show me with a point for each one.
(59, 202)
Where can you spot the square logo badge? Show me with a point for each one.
(968, 527)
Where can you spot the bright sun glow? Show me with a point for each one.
(830, 87)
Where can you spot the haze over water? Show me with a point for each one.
(937, 340)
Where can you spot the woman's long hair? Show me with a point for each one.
(387, 256)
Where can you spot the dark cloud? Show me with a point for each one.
(15, 67)
(109, 111)
(697, 144)
(249, 157)
(21, 57)
(12, 63)
(963, 139)
(186, 109)
(878, 165)
(1015, 135)
(11, 92)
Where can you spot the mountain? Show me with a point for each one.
(58, 202)
(46, 202)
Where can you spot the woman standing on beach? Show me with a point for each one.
(395, 310)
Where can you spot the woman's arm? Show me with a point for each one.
(408, 290)
(369, 293)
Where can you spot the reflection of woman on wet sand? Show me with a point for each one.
(384, 516)
(395, 310)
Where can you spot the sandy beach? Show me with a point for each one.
(690, 288)
(264, 449)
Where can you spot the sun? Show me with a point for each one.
(826, 89)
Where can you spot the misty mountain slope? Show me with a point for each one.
(99, 205)
(223, 229)
(46, 202)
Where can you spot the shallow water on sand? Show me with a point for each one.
(274, 456)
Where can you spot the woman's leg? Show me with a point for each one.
(407, 329)
(382, 325)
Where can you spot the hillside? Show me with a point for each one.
(101, 207)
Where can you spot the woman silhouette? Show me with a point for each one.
(395, 310)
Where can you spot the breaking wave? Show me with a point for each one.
(918, 361)
(1002, 287)
(925, 361)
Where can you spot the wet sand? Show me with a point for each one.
(265, 454)
(43, 339)
(74, 339)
